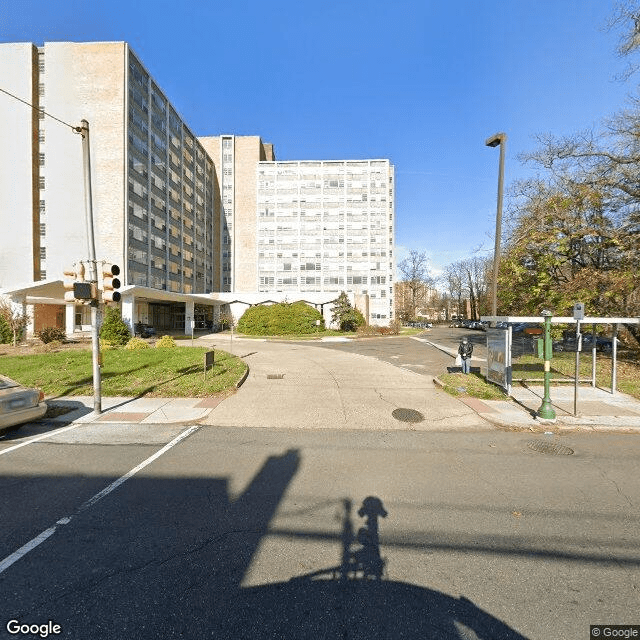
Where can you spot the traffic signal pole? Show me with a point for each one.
(93, 271)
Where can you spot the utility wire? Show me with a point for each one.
(72, 127)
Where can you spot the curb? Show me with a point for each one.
(540, 425)
(244, 377)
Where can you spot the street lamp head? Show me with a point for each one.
(495, 140)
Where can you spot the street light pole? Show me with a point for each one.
(93, 271)
(494, 141)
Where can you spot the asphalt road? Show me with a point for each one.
(414, 355)
(147, 531)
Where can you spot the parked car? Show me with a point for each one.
(145, 330)
(603, 343)
(19, 404)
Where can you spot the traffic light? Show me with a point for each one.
(69, 283)
(74, 276)
(110, 283)
(77, 289)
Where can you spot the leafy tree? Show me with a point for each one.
(574, 233)
(114, 329)
(345, 315)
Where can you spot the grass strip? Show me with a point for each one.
(471, 384)
(171, 373)
(563, 366)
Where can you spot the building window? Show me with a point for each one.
(42, 182)
(43, 229)
(42, 159)
(43, 209)
(43, 275)
(41, 135)
(43, 253)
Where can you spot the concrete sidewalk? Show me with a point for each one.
(597, 409)
(293, 385)
(142, 410)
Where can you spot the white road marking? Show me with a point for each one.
(22, 551)
(32, 544)
(42, 437)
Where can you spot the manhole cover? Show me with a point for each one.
(552, 448)
(275, 376)
(407, 415)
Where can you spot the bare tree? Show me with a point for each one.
(453, 280)
(626, 18)
(16, 320)
(417, 280)
(477, 273)
(470, 279)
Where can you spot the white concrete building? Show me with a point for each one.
(195, 224)
(328, 226)
(152, 182)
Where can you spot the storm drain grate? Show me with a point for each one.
(407, 415)
(275, 376)
(552, 448)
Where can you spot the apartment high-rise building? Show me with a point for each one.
(327, 226)
(235, 159)
(195, 223)
(153, 182)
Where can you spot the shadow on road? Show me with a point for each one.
(166, 557)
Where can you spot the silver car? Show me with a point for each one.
(19, 404)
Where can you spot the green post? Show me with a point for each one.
(546, 410)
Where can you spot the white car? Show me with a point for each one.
(19, 404)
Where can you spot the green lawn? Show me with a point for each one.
(563, 366)
(176, 372)
(471, 384)
(562, 369)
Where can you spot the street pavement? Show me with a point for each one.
(255, 522)
(301, 385)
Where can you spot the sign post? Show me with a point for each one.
(578, 314)
(546, 409)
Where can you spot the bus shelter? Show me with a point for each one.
(499, 345)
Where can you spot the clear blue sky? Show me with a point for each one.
(420, 82)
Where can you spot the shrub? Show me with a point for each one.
(352, 320)
(166, 342)
(6, 335)
(136, 343)
(280, 319)
(376, 330)
(114, 330)
(348, 317)
(51, 334)
(52, 346)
